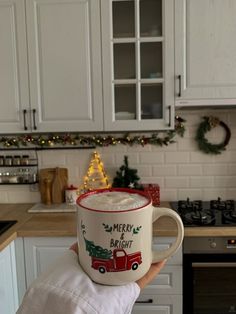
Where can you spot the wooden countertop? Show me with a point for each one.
(64, 224)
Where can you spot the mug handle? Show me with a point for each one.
(160, 212)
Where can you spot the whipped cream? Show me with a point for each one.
(114, 201)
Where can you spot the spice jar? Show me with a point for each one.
(1, 160)
(25, 160)
(16, 160)
(8, 160)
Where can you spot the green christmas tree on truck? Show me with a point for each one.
(96, 250)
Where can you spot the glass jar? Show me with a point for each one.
(16, 160)
(25, 160)
(1, 160)
(8, 160)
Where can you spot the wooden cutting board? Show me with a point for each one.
(52, 185)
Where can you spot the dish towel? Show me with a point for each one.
(66, 289)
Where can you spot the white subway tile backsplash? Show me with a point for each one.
(201, 182)
(177, 157)
(176, 182)
(165, 170)
(187, 144)
(151, 158)
(168, 195)
(215, 169)
(52, 159)
(214, 193)
(181, 169)
(201, 157)
(194, 194)
(145, 171)
(190, 169)
(225, 181)
(231, 169)
(133, 159)
(231, 193)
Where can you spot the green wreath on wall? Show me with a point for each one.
(205, 126)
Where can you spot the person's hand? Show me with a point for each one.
(153, 271)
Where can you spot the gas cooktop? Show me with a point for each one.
(206, 213)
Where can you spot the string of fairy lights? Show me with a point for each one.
(96, 177)
(159, 138)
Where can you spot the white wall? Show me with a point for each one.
(180, 169)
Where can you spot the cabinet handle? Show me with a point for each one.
(145, 301)
(24, 119)
(180, 85)
(34, 122)
(169, 108)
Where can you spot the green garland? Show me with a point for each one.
(79, 140)
(204, 127)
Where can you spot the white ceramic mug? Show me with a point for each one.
(115, 234)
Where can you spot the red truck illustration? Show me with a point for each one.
(119, 261)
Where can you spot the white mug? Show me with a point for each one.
(115, 234)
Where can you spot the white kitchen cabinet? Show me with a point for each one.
(161, 304)
(164, 294)
(50, 59)
(205, 60)
(8, 281)
(40, 252)
(138, 64)
(14, 83)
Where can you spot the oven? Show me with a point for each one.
(209, 263)
(209, 275)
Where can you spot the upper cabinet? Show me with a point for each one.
(50, 60)
(205, 60)
(138, 64)
(14, 83)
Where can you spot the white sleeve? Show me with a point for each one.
(65, 288)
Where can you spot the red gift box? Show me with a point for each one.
(154, 192)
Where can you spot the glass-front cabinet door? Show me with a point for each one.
(138, 64)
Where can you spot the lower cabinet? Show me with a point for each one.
(161, 304)
(162, 296)
(8, 281)
(41, 252)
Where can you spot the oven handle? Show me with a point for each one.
(199, 265)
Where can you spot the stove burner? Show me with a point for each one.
(187, 205)
(222, 205)
(229, 217)
(200, 218)
(193, 213)
(216, 212)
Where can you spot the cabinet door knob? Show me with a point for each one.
(180, 85)
(34, 121)
(24, 119)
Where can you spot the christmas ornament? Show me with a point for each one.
(204, 127)
(41, 141)
(96, 177)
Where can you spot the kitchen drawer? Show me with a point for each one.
(163, 243)
(158, 304)
(168, 282)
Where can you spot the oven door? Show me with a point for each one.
(209, 283)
